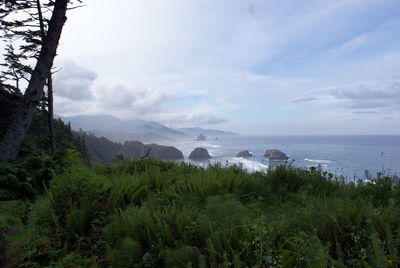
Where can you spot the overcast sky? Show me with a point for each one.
(252, 66)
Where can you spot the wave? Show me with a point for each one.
(247, 164)
(212, 146)
(319, 161)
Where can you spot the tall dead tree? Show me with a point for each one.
(17, 132)
(50, 103)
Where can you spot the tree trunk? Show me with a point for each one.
(16, 133)
(50, 113)
(50, 110)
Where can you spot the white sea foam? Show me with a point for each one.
(213, 146)
(247, 164)
(319, 161)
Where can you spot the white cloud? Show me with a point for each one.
(68, 107)
(380, 33)
(133, 100)
(190, 120)
(352, 44)
(125, 101)
(249, 59)
(74, 82)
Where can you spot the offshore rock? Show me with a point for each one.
(136, 149)
(199, 154)
(275, 155)
(200, 137)
(244, 153)
(163, 152)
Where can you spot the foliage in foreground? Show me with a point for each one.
(148, 213)
(35, 166)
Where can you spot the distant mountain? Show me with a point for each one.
(117, 136)
(120, 131)
(195, 131)
(100, 122)
(108, 122)
(150, 123)
(172, 132)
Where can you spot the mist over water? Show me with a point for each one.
(349, 156)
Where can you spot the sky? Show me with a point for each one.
(257, 67)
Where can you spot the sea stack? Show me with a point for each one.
(199, 154)
(275, 155)
(136, 149)
(169, 153)
(244, 153)
(200, 137)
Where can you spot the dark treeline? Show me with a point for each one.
(35, 159)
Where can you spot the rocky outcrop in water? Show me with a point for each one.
(136, 149)
(200, 137)
(199, 154)
(244, 153)
(103, 150)
(275, 155)
(163, 152)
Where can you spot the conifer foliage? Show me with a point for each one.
(37, 42)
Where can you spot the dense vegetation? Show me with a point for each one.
(35, 166)
(149, 213)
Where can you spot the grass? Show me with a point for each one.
(149, 213)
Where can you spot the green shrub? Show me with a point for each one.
(12, 214)
(127, 254)
(73, 260)
(15, 183)
(179, 257)
(27, 177)
(149, 213)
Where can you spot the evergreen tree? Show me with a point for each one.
(31, 30)
(14, 70)
(17, 131)
(50, 113)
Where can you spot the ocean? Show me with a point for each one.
(354, 157)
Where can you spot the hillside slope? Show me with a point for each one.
(102, 150)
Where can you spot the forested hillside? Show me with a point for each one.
(102, 150)
(35, 166)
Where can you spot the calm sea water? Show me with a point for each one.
(349, 156)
